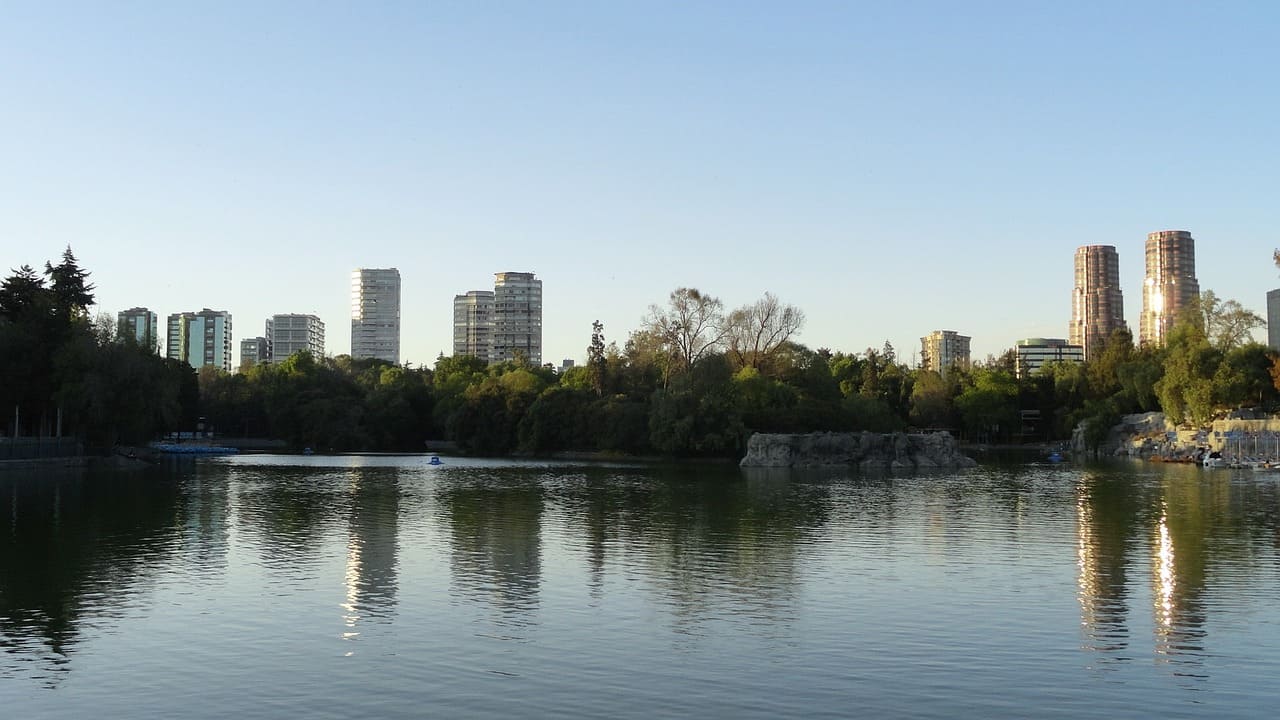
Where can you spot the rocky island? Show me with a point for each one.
(864, 450)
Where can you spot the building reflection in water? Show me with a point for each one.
(1186, 526)
(495, 526)
(1106, 521)
(205, 520)
(371, 558)
(1191, 513)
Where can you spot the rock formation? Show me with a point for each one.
(869, 451)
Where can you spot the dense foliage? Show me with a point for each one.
(60, 373)
(692, 380)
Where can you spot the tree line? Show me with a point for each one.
(62, 373)
(694, 379)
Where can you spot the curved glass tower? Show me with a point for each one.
(1170, 286)
(1097, 305)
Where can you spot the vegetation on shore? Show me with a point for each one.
(694, 380)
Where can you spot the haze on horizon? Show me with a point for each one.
(889, 168)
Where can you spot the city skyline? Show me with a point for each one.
(889, 171)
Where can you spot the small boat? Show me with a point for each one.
(435, 460)
(1055, 457)
(1214, 460)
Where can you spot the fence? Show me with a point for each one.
(32, 448)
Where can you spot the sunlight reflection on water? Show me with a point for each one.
(332, 587)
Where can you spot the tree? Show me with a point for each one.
(1227, 324)
(1186, 390)
(596, 363)
(989, 408)
(1244, 377)
(22, 293)
(930, 400)
(1102, 370)
(688, 329)
(754, 333)
(72, 293)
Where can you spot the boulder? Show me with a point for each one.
(870, 451)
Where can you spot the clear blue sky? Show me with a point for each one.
(891, 168)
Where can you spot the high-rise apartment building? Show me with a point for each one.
(1033, 353)
(254, 351)
(139, 325)
(1170, 286)
(288, 334)
(1097, 305)
(1273, 319)
(942, 349)
(202, 338)
(473, 324)
(517, 317)
(375, 314)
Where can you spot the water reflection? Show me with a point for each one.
(370, 577)
(75, 545)
(666, 558)
(1107, 518)
(495, 523)
(718, 545)
(1167, 535)
(287, 512)
(205, 526)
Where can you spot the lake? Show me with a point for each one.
(383, 587)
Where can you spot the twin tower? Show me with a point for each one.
(1170, 286)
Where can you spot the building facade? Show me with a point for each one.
(473, 324)
(375, 314)
(1273, 319)
(141, 326)
(517, 317)
(942, 349)
(288, 334)
(1034, 353)
(254, 351)
(1097, 305)
(200, 339)
(1170, 286)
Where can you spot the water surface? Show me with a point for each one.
(320, 587)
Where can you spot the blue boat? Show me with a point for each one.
(192, 449)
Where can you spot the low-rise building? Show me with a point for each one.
(254, 351)
(1034, 353)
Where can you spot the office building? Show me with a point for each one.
(140, 326)
(942, 349)
(375, 314)
(288, 334)
(1273, 319)
(517, 317)
(1170, 286)
(200, 339)
(1034, 353)
(254, 351)
(473, 324)
(1097, 305)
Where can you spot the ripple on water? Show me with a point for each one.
(339, 587)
